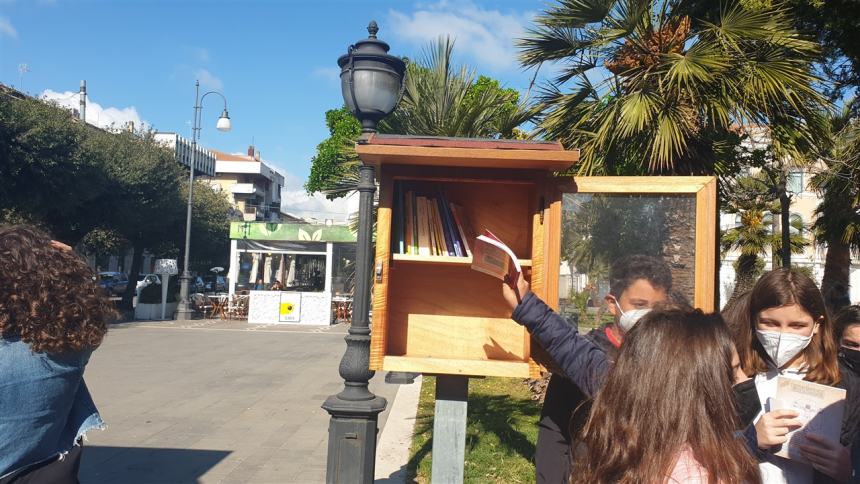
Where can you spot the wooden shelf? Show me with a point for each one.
(446, 366)
(443, 260)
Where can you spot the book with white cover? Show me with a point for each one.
(819, 407)
(492, 257)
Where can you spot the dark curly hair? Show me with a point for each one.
(629, 269)
(48, 297)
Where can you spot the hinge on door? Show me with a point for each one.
(379, 271)
(542, 208)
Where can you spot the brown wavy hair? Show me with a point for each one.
(777, 288)
(670, 390)
(48, 297)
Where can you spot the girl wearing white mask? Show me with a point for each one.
(784, 330)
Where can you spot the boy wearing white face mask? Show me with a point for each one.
(784, 330)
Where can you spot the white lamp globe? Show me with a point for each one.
(224, 122)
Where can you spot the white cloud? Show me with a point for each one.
(208, 80)
(486, 36)
(7, 29)
(331, 74)
(110, 117)
(295, 201)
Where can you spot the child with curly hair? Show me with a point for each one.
(52, 316)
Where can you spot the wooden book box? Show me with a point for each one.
(434, 314)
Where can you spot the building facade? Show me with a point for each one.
(250, 184)
(204, 164)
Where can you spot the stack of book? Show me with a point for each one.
(425, 223)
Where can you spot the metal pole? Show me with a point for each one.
(83, 110)
(184, 310)
(354, 411)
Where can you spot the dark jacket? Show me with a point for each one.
(563, 416)
(581, 360)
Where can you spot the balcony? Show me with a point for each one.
(246, 189)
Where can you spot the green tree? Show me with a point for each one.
(657, 88)
(837, 225)
(143, 203)
(755, 203)
(335, 156)
(48, 177)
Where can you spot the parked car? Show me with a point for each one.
(144, 280)
(113, 282)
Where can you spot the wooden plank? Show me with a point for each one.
(449, 429)
(380, 288)
(453, 366)
(706, 237)
(467, 157)
(635, 184)
(443, 260)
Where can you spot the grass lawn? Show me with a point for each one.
(500, 436)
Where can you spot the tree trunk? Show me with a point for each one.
(136, 263)
(836, 282)
(746, 274)
(679, 245)
(785, 222)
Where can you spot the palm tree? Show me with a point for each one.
(837, 225)
(440, 99)
(659, 89)
(753, 201)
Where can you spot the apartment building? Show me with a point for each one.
(250, 184)
(204, 164)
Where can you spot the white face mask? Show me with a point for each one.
(630, 318)
(782, 347)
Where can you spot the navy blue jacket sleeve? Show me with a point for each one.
(582, 361)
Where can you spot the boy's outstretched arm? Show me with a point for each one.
(583, 362)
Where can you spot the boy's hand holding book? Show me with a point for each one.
(492, 257)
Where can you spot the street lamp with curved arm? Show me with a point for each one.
(185, 309)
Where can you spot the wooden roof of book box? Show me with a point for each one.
(380, 149)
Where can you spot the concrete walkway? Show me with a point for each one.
(214, 402)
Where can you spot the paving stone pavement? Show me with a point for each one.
(214, 402)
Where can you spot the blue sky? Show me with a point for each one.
(274, 60)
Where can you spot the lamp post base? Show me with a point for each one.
(352, 439)
(184, 311)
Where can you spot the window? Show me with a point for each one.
(795, 222)
(794, 182)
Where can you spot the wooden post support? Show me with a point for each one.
(449, 429)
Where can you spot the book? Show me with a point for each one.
(414, 223)
(434, 237)
(463, 228)
(408, 222)
(448, 225)
(445, 245)
(398, 239)
(423, 227)
(492, 257)
(819, 407)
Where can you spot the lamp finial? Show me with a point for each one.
(372, 29)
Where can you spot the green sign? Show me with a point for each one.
(290, 232)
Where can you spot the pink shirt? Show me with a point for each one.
(687, 470)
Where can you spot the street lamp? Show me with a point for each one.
(371, 83)
(184, 310)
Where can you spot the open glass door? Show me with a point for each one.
(598, 221)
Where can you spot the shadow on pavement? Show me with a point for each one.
(138, 465)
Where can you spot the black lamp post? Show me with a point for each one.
(371, 82)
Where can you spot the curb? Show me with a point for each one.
(392, 450)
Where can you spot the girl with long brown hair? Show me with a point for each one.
(784, 330)
(666, 413)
